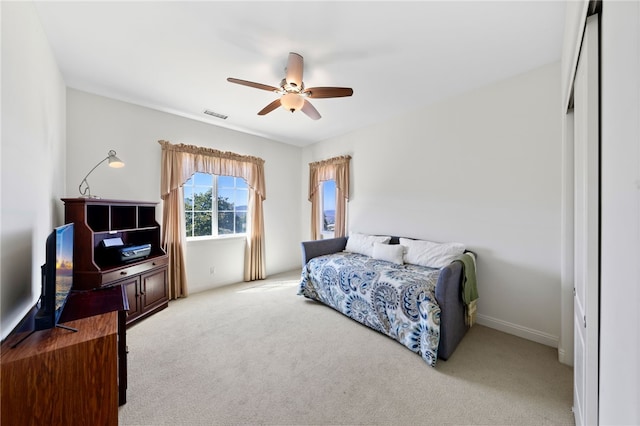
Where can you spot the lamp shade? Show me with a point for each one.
(292, 101)
(114, 161)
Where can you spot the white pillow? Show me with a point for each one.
(389, 252)
(430, 254)
(363, 244)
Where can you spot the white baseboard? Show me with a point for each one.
(561, 356)
(518, 330)
(564, 358)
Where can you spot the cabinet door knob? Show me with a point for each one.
(153, 263)
(123, 272)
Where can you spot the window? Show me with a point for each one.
(328, 208)
(228, 215)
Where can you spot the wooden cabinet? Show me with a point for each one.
(146, 293)
(61, 377)
(133, 222)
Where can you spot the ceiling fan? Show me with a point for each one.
(292, 90)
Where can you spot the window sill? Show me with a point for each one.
(217, 238)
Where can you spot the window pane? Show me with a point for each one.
(202, 198)
(188, 218)
(201, 224)
(188, 198)
(241, 222)
(225, 181)
(225, 223)
(203, 179)
(224, 205)
(226, 199)
(242, 199)
(329, 205)
(189, 182)
(241, 183)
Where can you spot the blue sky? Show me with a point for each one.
(329, 194)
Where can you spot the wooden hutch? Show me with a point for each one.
(134, 222)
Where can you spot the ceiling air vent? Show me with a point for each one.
(215, 114)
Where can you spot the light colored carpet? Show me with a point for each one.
(256, 353)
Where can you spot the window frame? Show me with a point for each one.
(323, 232)
(215, 188)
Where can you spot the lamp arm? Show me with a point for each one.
(83, 192)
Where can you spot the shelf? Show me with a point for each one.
(116, 215)
(124, 217)
(109, 267)
(116, 231)
(146, 217)
(98, 218)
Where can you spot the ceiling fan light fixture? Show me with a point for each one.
(292, 102)
(293, 92)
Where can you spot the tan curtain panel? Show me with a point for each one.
(336, 168)
(172, 237)
(181, 161)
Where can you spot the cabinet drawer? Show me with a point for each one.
(138, 268)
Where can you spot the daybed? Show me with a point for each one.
(427, 309)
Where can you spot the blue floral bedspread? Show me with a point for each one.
(396, 300)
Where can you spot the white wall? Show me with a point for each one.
(32, 155)
(575, 19)
(620, 218)
(482, 168)
(97, 124)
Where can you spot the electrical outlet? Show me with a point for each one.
(212, 270)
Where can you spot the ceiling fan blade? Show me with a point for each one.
(252, 84)
(295, 64)
(329, 92)
(310, 110)
(273, 105)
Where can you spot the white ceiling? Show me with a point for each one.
(397, 56)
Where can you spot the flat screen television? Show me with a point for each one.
(57, 277)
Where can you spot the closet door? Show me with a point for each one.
(586, 228)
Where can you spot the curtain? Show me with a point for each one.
(336, 168)
(181, 161)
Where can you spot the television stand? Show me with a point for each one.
(80, 305)
(62, 377)
(66, 327)
(15, 345)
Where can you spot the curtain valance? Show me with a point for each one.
(336, 168)
(209, 160)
